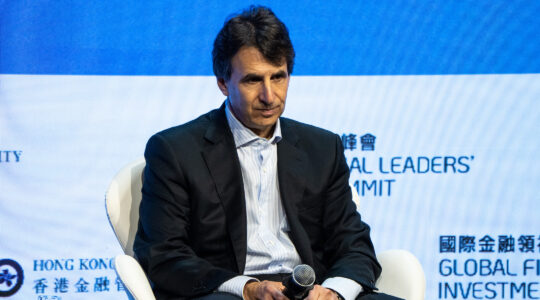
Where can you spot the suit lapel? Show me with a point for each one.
(291, 162)
(222, 161)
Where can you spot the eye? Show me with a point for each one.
(279, 77)
(252, 79)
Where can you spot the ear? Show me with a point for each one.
(223, 86)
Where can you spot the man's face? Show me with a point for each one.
(257, 90)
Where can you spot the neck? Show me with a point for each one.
(267, 133)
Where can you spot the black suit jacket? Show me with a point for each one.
(192, 228)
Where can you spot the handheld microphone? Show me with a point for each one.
(299, 283)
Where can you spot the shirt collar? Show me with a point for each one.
(243, 135)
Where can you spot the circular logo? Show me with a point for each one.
(11, 277)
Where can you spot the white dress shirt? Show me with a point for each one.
(269, 248)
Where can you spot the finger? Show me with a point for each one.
(265, 292)
(313, 294)
(279, 296)
(271, 291)
(328, 294)
(277, 293)
(267, 296)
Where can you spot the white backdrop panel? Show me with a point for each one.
(73, 133)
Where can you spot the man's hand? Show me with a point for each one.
(264, 290)
(320, 293)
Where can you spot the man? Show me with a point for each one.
(235, 199)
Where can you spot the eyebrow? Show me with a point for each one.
(251, 77)
(279, 74)
(255, 77)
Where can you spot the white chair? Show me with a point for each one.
(402, 274)
(122, 202)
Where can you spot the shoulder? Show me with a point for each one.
(190, 134)
(195, 127)
(306, 132)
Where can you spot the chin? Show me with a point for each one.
(268, 122)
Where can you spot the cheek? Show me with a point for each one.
(283, 92)
(242, 103)
(245, 98)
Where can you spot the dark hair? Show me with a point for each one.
(256, 27)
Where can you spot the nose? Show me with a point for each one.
(267, 94)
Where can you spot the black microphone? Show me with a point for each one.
(299, 283)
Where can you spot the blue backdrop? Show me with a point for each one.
(331, 37)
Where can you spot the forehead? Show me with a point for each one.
(249, 60)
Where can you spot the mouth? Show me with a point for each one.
(268, 112)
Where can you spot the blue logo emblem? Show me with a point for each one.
(11, 277)
(368, 142)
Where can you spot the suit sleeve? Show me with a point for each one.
(162, 243)
(349, 249)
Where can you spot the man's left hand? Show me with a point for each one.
(320, 293)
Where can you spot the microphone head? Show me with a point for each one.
(303, 275)
(299, 283)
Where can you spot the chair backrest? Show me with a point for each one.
(122, 202)
(355, 197)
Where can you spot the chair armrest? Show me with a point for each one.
(132, 276)
(402, 275)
